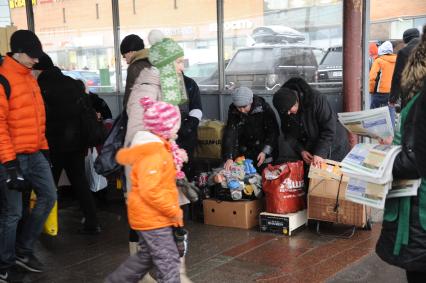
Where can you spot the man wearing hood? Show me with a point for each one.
(381, 77)
(411, 39)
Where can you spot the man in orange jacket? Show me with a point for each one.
(23, 156)
(381, 78)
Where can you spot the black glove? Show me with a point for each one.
(188, 126)
(46, 155)
(14, 177)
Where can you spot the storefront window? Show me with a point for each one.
(190, 23)
(78, 36)
(268, 42)
(13, 13)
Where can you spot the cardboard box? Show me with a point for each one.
(330, 170)
(282, 223)
(238, 214)
(322, 198)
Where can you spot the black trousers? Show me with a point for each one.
(416, 276)
(74, 166)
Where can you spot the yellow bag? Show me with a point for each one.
(210, 134)
(51, 225)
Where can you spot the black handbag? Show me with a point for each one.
(105, 164)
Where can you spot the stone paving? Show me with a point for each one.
(216, 254)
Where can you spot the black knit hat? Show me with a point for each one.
(25, 41)
(44, 63)
(132, 42)
(284, 99)
(409, 34)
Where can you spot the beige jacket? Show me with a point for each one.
(146, 84)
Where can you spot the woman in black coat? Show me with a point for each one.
(65, 135)
(251, 130)
(309, 124)
(402, 240)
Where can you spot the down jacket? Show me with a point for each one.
(250, 134)
(381, 74)
(22, 117)
(314, 128)
(153, 200)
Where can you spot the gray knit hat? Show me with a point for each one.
(242, 96)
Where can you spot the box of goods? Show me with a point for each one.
(210, 134)
(282, 223)
(326, 202)
(238, 214)
(329, 170)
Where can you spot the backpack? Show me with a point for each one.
(4, 82)
(93, 130)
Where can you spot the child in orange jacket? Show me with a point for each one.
(153, 204)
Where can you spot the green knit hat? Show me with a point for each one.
(162, 54)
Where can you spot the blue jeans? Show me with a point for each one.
(381, 100)
(36, 170)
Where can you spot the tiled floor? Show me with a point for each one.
(216, 254)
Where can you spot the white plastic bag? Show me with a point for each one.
(96, 182)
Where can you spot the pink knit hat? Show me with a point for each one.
(160, 117)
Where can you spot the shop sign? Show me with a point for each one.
(19, 3)
(233, 25)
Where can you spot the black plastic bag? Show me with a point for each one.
(105, 163)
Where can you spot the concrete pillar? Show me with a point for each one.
(352, 57)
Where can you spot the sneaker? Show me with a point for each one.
(30, 263)
(11, 276)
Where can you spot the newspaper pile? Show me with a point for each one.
(369, 168)
(373, 123)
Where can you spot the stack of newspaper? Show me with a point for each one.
(373, 123)
(369, 166)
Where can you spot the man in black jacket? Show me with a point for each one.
(411, 38)
(66, 136)
(309, 124)
(251, 130)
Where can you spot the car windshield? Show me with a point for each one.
(333, 57)
(251, 60)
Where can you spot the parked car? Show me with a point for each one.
(267, 67)
(90, 78)
(200, 71)
(330, 69)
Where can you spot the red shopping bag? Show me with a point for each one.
(283, 187)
